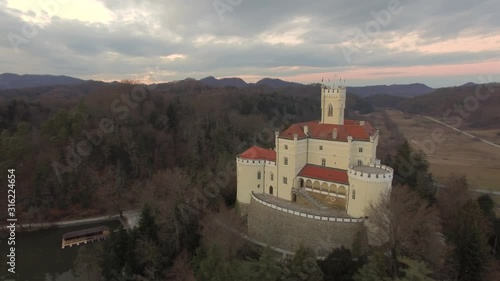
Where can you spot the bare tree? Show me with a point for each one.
(451, 199)
(223, 229)
(162, 192)
(181, 270)
(404, 224)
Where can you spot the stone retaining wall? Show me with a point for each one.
(287, 231)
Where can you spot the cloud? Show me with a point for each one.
(284, 38)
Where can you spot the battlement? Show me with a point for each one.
(334, 90)
(255, 162)
(297, 211)
(372, 172)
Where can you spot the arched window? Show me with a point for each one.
(285, 161)
(271, 190)
(272, 176)
(259, 174)
(330, 110)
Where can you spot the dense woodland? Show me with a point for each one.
(115, 147)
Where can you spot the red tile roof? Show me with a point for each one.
(317, 130)
(258, 153)
(324, 173)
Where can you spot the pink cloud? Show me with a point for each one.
(478, 68)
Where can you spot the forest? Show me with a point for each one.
(169, 150)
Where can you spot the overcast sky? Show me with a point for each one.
(437, 42)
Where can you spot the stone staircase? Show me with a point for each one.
(308, 197)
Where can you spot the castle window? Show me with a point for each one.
(259, 175)
(258, 186)
(285, 180)
(286, 146)
(360, 149)
(323, 162)
(330, 110)
(354, 194)
(360, 162)
(285, 160)
(272, 176)
(320, 147)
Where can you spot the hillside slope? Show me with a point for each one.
(15, 81)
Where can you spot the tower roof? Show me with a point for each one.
(358, 130)
(258, 153)
(324, 173)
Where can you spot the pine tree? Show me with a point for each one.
(374, 270)
(304, 266)
(415, 270)
(147, 224)
(339, 265)
(266, 268)
(471, 251)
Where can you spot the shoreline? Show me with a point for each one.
(30, 227)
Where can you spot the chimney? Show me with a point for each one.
(334, 134)
(306, 130)
(295, 136)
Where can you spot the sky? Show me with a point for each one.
(436, 42)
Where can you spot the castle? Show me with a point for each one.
(317, 181)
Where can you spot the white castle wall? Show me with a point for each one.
(367, 187)
(247, 179)
(296, 153)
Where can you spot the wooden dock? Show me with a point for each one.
(85, 236)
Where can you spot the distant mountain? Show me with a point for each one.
(468, 84)
(277, 83)
(15, 81)
(224, 82)
(410, 90)
(442, 103)
(238, 82)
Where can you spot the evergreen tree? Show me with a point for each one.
(304, 266)
(115, 257)
(374, 270)
(148, 227)
(211, 266)
(471, 251)
(412, 168)
(172, 117)
(415, 270)
(339, 265)
(266, 268)
(487, 205)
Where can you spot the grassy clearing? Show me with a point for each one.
(456, 154)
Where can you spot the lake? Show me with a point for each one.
(39, 256)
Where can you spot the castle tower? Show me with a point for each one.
(367, 184)
(333, 104)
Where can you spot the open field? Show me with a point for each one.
(450, 152)
(492, 135)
